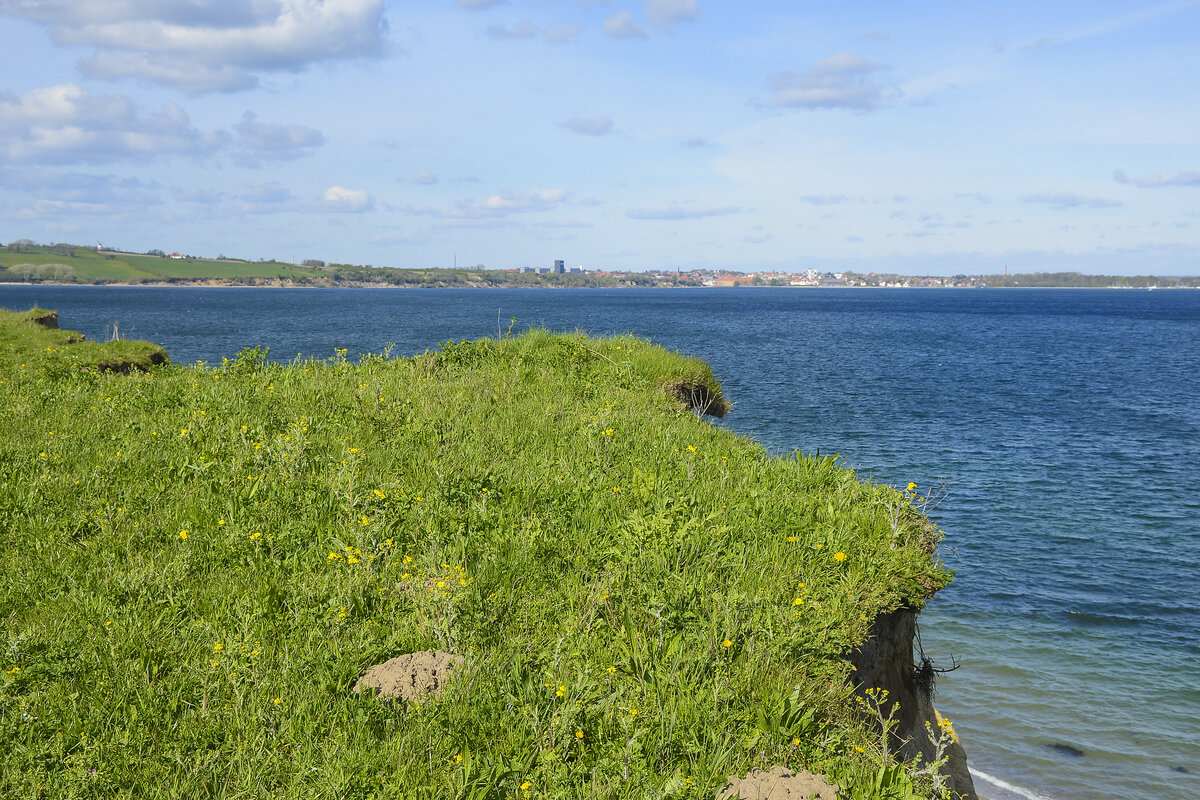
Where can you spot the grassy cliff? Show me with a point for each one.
(200, 561)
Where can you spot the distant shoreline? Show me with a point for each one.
(223, 285)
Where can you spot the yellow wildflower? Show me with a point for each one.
(839, 556)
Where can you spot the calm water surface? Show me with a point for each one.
(1067, 424)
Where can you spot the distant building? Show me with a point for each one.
(560, 266)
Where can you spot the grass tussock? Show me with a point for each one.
(201, 561)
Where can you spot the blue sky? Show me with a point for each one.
(923, 138)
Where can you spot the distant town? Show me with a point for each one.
(24, 261)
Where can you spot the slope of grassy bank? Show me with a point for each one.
(70, 264)
(200, 561)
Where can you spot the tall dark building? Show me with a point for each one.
(560, 267)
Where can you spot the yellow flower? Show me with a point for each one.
(218, 647)
(726, 644)
(791, 538)
(380, 495)
(691, 448)
(912, 487)
(819, 545)
(798, 602)
(795, 742)
(278, 700)
(578, 734)
(525, 786)
(458, 759)
(256, 535)
(183, 535)
(633, 712)
(839, 557)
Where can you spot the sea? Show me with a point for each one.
(1063, 424)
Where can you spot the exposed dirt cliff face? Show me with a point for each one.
(885, 661)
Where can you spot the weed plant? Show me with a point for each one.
(200, 560)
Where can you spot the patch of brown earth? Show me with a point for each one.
(411, 677)
(779, 783)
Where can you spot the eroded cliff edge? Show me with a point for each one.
(885, 661)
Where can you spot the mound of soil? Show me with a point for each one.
(411, 677)
(778, 784)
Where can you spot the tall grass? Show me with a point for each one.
(199, 561)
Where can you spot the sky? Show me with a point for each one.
(924, 138)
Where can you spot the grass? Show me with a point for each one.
(33, 263)
(200, 561)
(87, 265)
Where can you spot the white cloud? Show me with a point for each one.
(561, 35)
(520, 30)
(1186, 177)
(839, 81)
(1063, 200)
(499, 205)
(622, 26)
(424, 176)
(66, 124)
(208, 46)
(666, 12)
(281, 142)
(589, 126)
(339, 198)
(677, 211)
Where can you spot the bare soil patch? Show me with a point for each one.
(411, 677)
(779, 783)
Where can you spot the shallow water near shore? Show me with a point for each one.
(1066, 423)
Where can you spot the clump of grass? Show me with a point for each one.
(33, 339)
(202, 560)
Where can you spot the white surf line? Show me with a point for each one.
(1006, 786)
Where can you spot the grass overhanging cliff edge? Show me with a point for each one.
(199, 561)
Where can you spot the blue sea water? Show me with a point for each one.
(1065, 423)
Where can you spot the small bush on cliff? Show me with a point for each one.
(201, 561)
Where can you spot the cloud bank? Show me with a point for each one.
(840, 81)
(65, 124)
(208, 46)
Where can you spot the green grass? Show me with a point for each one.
(87, 265)
(200, 561)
